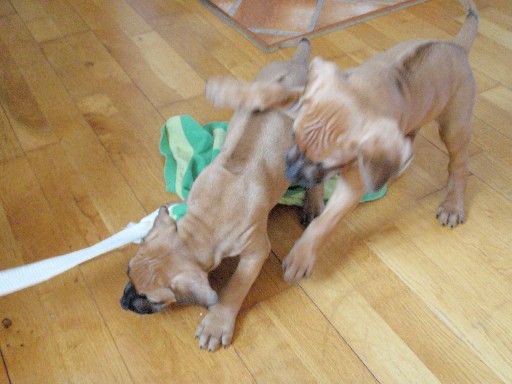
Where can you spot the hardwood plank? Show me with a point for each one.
(372, 339)
(24, 115)
(27, 336)
(442, 351)
(18, 41)
(161, 57)
(483, 82)
(6, 8)
(107, 109)
(9, 145)
(110, 14)
(84, 65)
(496, 68)
(30, 213)
(79, 221)
(496, 26)
(196, 44)
(4, 375)
(386, 302)
(136, 156)
(491, 107)
(268, 328)
(346, 41)
(124, 50)
(491, 141)
(49, 20)
(83, 149)
(444, 272)
(86, 86)
(493, 171)
(406, 26)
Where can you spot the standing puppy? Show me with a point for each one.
(361, 123)
(227, 214)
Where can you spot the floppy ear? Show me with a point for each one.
(192, 287)
(163, 223)
(163, 219)
(163, 295)
(383, 153)
(229, 92)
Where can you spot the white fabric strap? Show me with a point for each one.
(15, 279)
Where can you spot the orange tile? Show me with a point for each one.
(271, 22)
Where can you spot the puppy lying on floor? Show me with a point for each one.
(361, 123)
(227, 214)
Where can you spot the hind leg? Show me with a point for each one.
(455, 131)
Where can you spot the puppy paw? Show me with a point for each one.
(299, 263)
(220, 91)
(216, 329)
(450, 214)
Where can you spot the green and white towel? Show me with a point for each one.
(189, 147)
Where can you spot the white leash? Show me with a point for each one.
(15, 279)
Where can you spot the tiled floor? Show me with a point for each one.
(271, 23)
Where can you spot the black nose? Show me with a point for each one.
(302, 171)
(134, 302)
(295, 161)
(128, 295)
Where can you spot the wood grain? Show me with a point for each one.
(85, 87)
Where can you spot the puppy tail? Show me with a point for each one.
(469, 29)
(303, 51)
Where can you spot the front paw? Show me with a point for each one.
(226, 92)
(216, 90)
(216, 329)
(450, 214)
(299, 263)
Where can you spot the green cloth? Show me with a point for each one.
(189, 147)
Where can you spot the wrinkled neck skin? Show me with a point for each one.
(190, 228)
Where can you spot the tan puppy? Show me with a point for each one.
(361, 123)
(228, 209)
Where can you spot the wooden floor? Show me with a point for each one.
(395, 298)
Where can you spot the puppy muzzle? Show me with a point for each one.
(301, 170)
(137, 303)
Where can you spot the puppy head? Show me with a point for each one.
(331, 129)
(324, 118)
(160, 273)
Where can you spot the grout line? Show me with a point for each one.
(234, 8)
(316, 13)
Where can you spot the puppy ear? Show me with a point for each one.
(228, 92)
(164, 219)
(163, 295)
(383, 153)
(192, 287)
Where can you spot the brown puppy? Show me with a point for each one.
(228, 209)
(361, 123)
